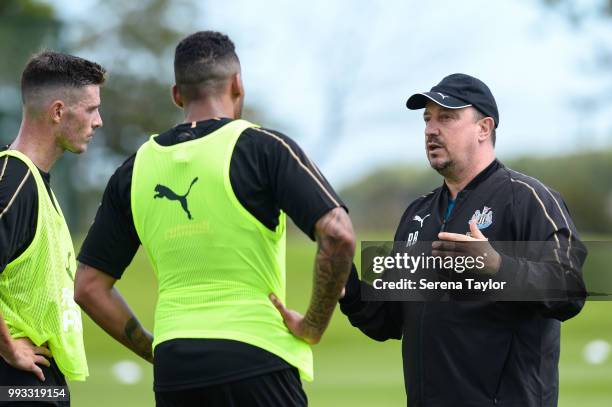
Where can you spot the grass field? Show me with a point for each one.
(350, 369)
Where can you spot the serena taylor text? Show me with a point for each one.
(424, 284)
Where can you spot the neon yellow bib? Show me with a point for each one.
(37, 288)
(215, 263)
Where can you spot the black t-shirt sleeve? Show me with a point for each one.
(269, 172)
(18, 209)
(112, 241)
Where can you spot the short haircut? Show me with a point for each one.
(203, 62)
(478, 115)
(54, 69)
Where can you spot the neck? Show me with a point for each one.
(208, 109)
(457, 181)
(35, 140)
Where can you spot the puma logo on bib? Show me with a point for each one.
(163, 191)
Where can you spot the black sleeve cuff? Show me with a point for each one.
(352, 292)
(100, 265)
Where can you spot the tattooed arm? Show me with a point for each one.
(335, 250)
(95, 293)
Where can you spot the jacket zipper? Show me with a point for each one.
(422, 319)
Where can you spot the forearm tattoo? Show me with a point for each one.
(138, 339)
(332, 266)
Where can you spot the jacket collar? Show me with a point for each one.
(478, 179)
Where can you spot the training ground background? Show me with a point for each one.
(314, 73)
(350, 369)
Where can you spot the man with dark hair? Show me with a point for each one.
(40, 325)
(202, 65)
(479, 352)
(207, 200)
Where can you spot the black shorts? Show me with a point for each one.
(9, 376)
(281, 388)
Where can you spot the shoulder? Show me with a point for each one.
(126, 168)
(537, 200)
(267, 138)
(419, 204)
(11, 166)
(530, 189)
(274, 150)
(127, 165)
(16, 181)
(423, 200)
(121, 180)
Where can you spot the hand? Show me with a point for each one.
(25, 356)
(296, 323)
(454, 244)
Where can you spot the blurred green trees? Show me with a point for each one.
(583, 179)
(135, 41)
(24, 27)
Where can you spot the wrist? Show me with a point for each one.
(352, 287)
(311, 331)
(7, 349)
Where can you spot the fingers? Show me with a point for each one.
(40, 360)
(456, 248)
(443, 248)
(454, 237)
(27, 340)
(475, 232)
(37, 372)
(446, 248)
(279, 305)
(41, 350)
(442, 245)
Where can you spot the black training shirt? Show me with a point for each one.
(18, 221)
(18, 207)
(268, 172)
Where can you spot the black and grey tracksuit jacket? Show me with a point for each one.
(483, 353)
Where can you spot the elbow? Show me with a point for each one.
(336, 243)
(84, 287)
(81, 293)
(339, 252)
(345, 242)
(334, 232)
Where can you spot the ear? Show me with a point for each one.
(486, 127)
(237, 88)
(176, 96)
(56, 110)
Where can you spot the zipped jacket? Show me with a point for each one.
(483, 353)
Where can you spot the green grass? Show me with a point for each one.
(350, 369)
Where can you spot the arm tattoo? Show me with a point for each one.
(332, 266)
(139, 340)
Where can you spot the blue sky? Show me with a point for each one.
(335, 75)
